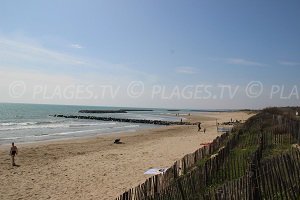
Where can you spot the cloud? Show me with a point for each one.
(11, 50)
(240, 61)
(23, 54)
(30, 55)
(289, 63)
(186, 70)
(76, 46)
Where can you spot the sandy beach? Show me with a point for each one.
(95, 168)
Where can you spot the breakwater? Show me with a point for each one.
(140, 121)
(113, 111)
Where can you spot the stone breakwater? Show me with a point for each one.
(140, 121)
(113, 111)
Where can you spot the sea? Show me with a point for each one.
(26, 123)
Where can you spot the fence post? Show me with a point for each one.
(180, 189)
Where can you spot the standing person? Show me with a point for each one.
(199, 126)
(204, 130)
(13, 153)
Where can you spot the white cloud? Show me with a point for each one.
(289, 63)
(186, 70)
(20, 54)
(11, 50)
(240, 61)
(76, 46)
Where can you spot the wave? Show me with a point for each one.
(96, 124)
(51, 134)
(128, 126)
(16, 124)
(81, 131)
(48, 125)
(131, 126)
(34, 127)
(11, 138)
(101, 129)
(71, 132)
(27, 123)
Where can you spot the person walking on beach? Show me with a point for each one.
(199, 126)
(13, 153)
(204, 130)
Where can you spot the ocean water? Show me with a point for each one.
(33, 122)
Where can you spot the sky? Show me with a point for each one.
(200, 54)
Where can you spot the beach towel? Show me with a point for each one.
(154, 171)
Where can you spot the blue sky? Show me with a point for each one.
(169, 43)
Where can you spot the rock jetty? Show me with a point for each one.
(113, 111)
(140, 121)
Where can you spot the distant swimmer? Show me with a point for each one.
(13, 153)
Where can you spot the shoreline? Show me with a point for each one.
(187, 121)
(186, 118)
(79, 138)
(54, 169)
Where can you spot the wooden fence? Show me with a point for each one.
(279, 177)
(164, 182)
